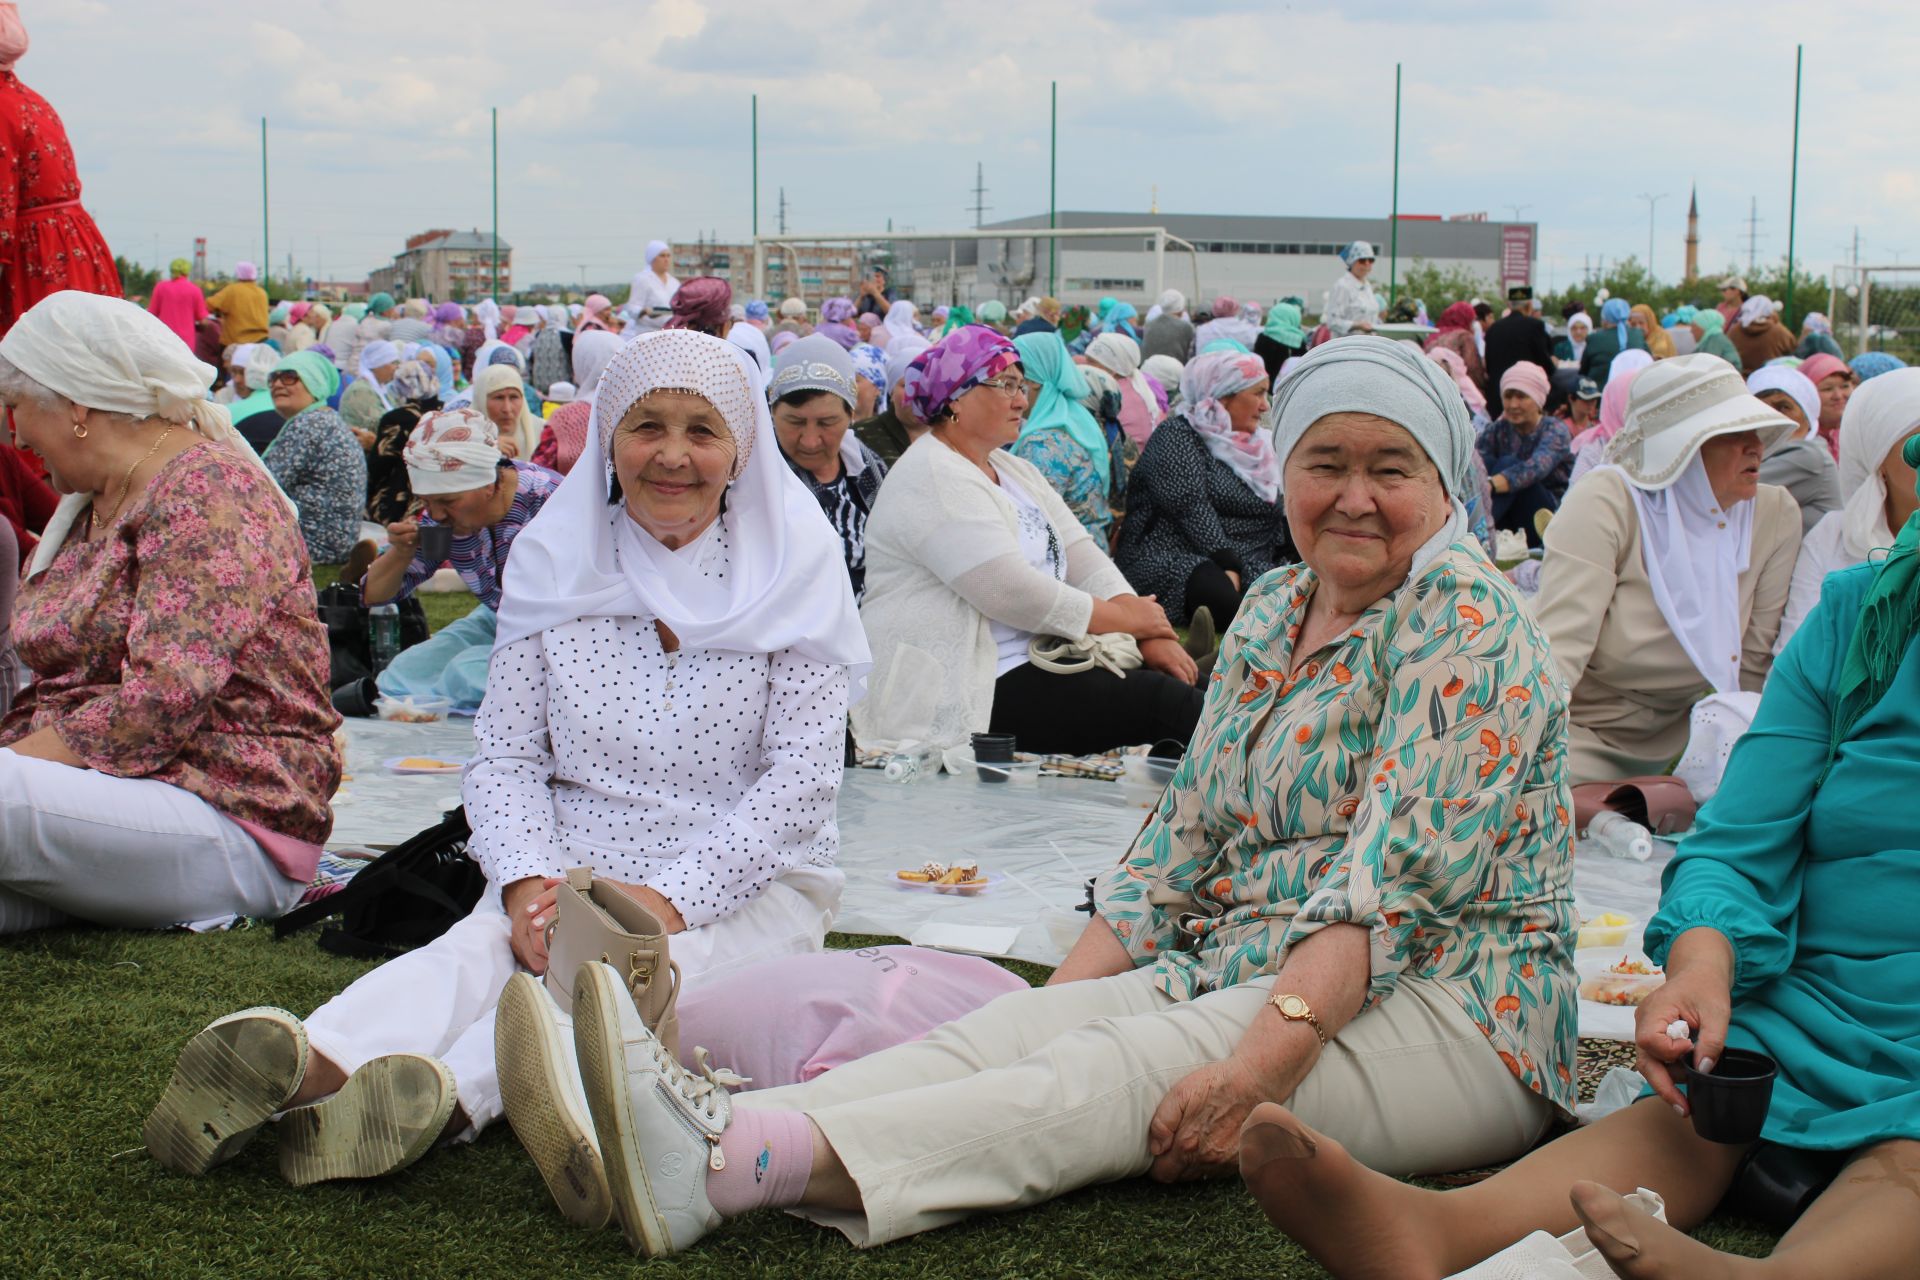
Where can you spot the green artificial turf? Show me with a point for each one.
(90, 1022)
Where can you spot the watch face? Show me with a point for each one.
(1293, 1007)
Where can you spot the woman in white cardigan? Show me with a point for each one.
(970, 555)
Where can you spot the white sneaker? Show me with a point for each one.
(387, 1115)
(659, 1125)
(540, 1087)
(230, 1079)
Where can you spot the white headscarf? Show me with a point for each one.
(591, 352)
(452, 451)
(500, 377)
(105, 353)
(583, 557)
(1120, 356)
(487, 312)
(899, 321)
(751, 340)
(1757, 308)
(1883, 412)
(372, 356)
(1579, 345)
(1778, 377)
(1695, 552)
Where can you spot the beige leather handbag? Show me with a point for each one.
(596, 921)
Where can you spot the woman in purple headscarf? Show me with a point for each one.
(988, 606)
(704, 304)
(835, 313)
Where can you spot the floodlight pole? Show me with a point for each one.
(1652, 202)
(266, 254)
(756, 167)
(1793, 196)
(1053, 190)
(1393, 226)
(496, 205)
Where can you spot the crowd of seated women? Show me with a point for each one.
(1340, 947)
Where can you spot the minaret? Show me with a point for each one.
(1693, 233)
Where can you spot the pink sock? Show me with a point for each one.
(769, 1159)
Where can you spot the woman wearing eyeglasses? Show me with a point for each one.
(315, 457)
(970, 556)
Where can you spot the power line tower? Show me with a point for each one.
(980, 205)
(783, 211)
(1753, 235)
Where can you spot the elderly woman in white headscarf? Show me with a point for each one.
(457, 470)
(368, 398)
(671, 683)
(650, 302)
(897, 325)
(1800, 463)
(1877, 483)
(1382, 933)
(501, 394)
(1352, 305)
(1142, 404)
(1666, 570)
(173, 757)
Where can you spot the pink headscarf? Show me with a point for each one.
(1225, 308)
(13, 36)
(1613, 401)
(1529, 379)
(591, 315)
(1456, 368)
(701, 305)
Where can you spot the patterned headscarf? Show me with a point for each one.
(1204, 383)
(701, 305)
(452, 451)
(870, 362)
(837, 310)
(953, 366)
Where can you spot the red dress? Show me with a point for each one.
(47, 241)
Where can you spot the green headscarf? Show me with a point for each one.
(1283, 325)
(1710, 320)
(322, 380)
(993, 311)
(1218, 345)
(957, 318)
(1044, 359)
(354, 310)
(1889, 618)
(380, 303)
(279, 313)
(179, 267)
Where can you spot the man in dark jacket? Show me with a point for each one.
(1518, 336)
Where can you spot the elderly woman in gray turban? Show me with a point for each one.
(1355, 895)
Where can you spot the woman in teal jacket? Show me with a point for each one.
(1789, 923)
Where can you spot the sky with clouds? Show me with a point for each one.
(622, 120)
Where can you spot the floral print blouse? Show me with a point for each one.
(1409, 777)
(1071, 472)
(323, 469)
(181, 644)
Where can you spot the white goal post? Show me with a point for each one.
(1161, 239)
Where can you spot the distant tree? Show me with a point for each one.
(135, 280)
(1629, 279)
(1436, 286)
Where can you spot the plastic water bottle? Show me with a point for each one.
(1621, 836)
(383, 634)
(911, 762)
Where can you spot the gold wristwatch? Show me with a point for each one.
(1294, 1009)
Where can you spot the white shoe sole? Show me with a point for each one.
(388, 1114)
(536, 1086)
(229, 1080)
(601, 1050)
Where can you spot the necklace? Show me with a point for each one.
(127, 483)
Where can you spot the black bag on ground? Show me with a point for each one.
(345, 617)
(403, 899)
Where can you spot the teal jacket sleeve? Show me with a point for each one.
(1740, 873)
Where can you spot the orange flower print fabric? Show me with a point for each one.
(1410, 777)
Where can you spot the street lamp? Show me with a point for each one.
(1651, 202)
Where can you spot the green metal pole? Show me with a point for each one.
(1793, 197)
(1393, 227)
(756, 169)
(266, 253)
(1053, 191)
(496, 205)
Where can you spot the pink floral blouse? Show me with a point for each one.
(182, 644)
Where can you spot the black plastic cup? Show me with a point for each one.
(436, 544)
(992, 749)
(1729, 1103)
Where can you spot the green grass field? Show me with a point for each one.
(93, 1019)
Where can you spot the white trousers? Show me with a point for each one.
(134, 853)
(440, 1000)
(1048, 1090)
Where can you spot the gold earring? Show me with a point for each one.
(79, 431)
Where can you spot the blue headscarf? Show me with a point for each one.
(757, 310)
(1615, 313)
(1218, 345)
(1044, 359)
(1871, 364)
(442, 366)
(870, 362)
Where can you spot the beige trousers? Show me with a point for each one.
(1052, 1089)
